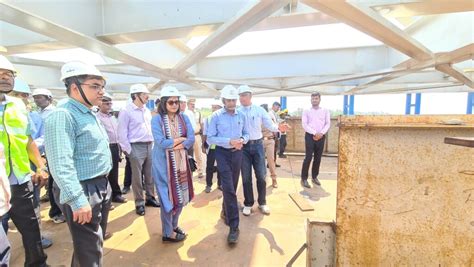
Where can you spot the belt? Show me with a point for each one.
(141, 143)
(268, 138)
(257, 141)
(227, 149)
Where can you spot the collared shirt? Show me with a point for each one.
(46, 111)
(78, 149)
(224, 127)
(316, 120)
(134, 125)
(111, 126)
(205, 125)
(256, 116)
(38, 133)
(192, 118)
(278, 120)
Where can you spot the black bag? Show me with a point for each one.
(192, 164)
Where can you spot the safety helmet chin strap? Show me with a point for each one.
(76, 81)
(139, 98)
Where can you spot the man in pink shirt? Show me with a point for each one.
(136, 141)
(316, 122)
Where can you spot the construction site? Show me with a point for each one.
(397, 166)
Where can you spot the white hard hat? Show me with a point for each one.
(183, 98)
(78, 68)
(21, 87)
(229, 92)
(107, 95)
(6, 64)
(168, 91)
(42, 91)
(138, 88)
(244, 89)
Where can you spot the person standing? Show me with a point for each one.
(109, 122)
(44, 101)
(20, 149)
(228, 131)
(173, 136)
(210, 150)
(136, 141)
(4, 207)
(253, 154)
(269, 147)
(316, 122)
(196, 121)
(79, 159)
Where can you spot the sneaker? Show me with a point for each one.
(208, 189)
(264, 209)
(247, 211)
(59, 219)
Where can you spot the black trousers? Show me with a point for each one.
(23, 215)
(282, 144)
(114, 173)
(211, 159)
(313, 150)
(88, 239)
(127, 179)
(54, 209)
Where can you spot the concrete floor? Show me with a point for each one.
(264, 240)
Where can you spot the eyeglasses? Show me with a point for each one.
(171, 102)
(96, 87)
(9, 74)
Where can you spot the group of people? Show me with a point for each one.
(76, 152)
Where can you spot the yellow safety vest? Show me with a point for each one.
(14, 137)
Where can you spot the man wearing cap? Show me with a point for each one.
(196, 120)
(228, 131)
(136, 141)
(79, 159)
(111, 127)
(15, 136)
(44, 101)
(210, 150)
(253, 153)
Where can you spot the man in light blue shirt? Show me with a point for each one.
(228, 130)
(79, 159)
(253, 152)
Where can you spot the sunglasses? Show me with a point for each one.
(171, 102)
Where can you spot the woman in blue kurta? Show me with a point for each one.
(173, 136)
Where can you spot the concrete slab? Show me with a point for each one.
(264, 241)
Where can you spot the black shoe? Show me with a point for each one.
(282, 156)
(108, 235)
(277, 165)
(316, 181)
(151, 202)
(125, 190)
(119, 199)
(305, 183)
(178, 230)
(46, 243)
(233, 236)
(179, 237)
(44, 198)
(140, 210)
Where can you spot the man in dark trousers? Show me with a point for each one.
(228, 131)
(316, 122)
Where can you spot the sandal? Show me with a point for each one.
(180, 231)
(179, 237)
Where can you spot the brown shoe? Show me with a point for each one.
(274, 183)
(108, 235)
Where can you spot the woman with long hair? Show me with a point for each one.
(173, 136)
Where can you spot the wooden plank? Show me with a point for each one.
(301, 202)
(460, 141)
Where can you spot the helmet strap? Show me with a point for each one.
(76, 81)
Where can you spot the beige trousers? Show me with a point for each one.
(269, 146)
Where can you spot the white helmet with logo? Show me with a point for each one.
(6, 64)
(42, 91)
(138, 88)
(229, 92)
(168, 91)
(78, 68)
(244, 89)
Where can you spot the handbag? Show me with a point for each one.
(192, 164)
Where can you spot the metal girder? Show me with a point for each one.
(36, 47)
(233, 82)
(36, 24)
(270, 23)
(229, 30)
(455, 73)
(371, 23)
(401, 9)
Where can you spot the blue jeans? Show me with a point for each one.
(254, 156)
(228, 166)
(169, 221)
